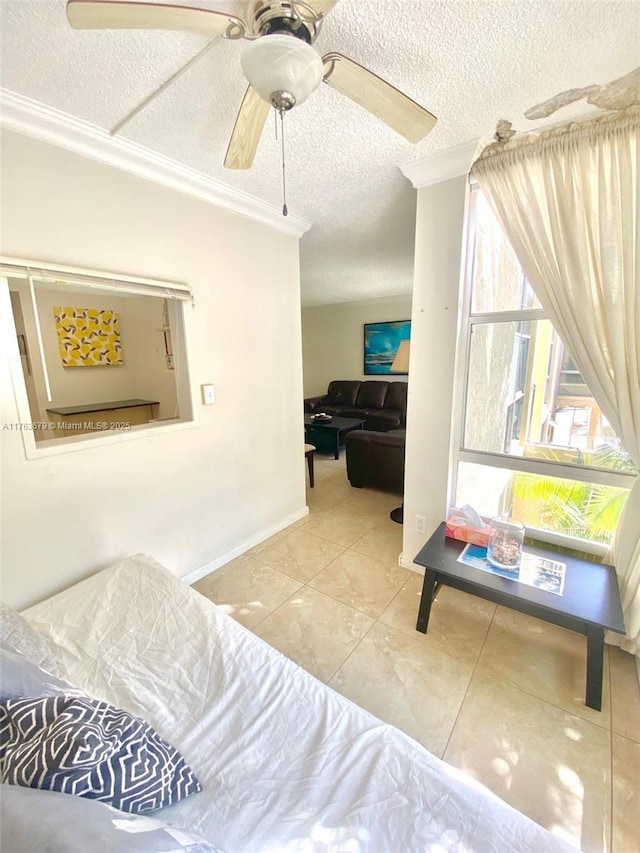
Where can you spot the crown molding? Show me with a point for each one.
(31, 118)
(442, 166)
(359, 303)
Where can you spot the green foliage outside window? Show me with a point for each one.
(582, 510)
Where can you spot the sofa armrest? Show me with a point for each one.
(376, 459)
(373, 438)
(313, 404)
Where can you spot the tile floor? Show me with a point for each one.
(493, 692)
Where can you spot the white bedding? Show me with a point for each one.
(285, 763)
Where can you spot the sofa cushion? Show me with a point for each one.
(368, 413)
(347, 412)
(396, 396)
(384, 419)
(371, 395)
(343, 392)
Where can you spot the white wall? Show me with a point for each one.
(333, 340)
(154, 380)
(191, 496)
(439, 237)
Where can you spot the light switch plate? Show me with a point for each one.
(208, 395)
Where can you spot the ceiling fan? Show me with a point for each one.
(280, 63)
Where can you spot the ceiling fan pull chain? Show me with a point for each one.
(285, 212)
(275, 120)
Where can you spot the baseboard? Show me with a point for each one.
(223, 559)
(409, 564)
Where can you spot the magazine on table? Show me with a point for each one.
(537, 571)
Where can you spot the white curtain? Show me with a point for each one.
(568, 202)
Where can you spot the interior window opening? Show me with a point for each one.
(96, 357)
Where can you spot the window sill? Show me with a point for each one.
(581, 548)
(53, 447)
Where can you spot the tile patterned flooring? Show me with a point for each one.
(496, 693)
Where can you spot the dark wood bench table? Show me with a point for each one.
(590, 603)
(335, 430)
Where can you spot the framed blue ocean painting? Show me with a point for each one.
(381, 342)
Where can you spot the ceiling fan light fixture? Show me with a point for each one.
(284, 70)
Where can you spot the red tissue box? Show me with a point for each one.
(457, 529)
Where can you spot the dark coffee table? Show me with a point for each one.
(589, 605)
(330, 433)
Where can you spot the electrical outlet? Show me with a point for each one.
(421, 524)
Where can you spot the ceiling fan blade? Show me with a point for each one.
(322, 7)
(377, 96)
(247, 131)
(105, 15)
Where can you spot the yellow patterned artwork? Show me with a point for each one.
(88, 337)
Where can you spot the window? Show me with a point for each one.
(95, 355)
(530, 439)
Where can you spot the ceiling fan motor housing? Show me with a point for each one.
(291, 18)
(288, 26)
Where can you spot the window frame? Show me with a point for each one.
(458, 453)
(23, 268)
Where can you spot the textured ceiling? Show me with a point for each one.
(470, 62)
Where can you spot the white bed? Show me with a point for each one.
(285, 763)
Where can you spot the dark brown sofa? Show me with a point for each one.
(376, 459)
(383, 405)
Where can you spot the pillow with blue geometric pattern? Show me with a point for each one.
(83, 746)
